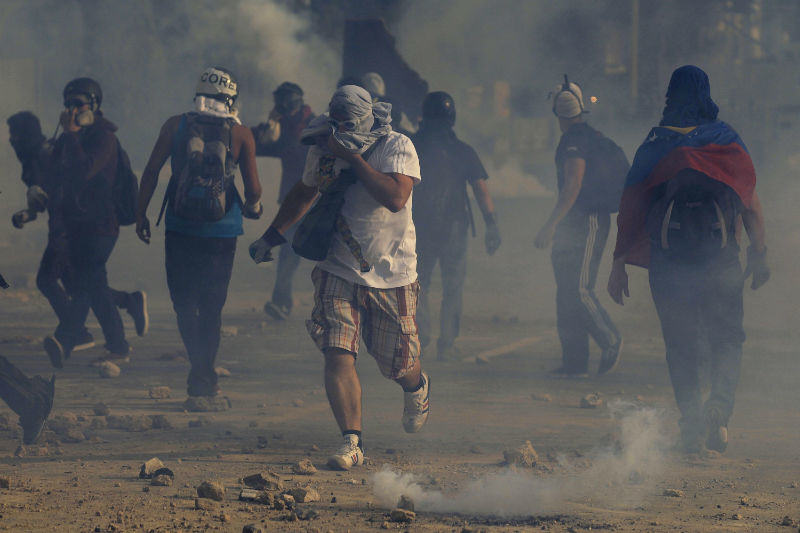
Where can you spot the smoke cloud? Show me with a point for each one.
(636, 460)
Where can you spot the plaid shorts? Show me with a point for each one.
(386, 318)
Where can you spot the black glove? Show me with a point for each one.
(757, 266)
(261, 250)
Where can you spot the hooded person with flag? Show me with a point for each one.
(691, 180)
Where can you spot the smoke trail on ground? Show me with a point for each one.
(636, 459)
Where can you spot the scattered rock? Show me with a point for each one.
(98, 422)
(793, 485)
(62, 423)
(736, 516)
(787, 521)
(298, 403)
(385, 525)
(101, 409)
(402, 515)
(591, 401)
(304, 467)
(130, 422)
(222, 372)
(206, 404)
(256, 496)
(149, 468)
(673, 493)
(525, 456)
(305, 494)
(252, 528)
(107, 369)
(288, 500)
(73, 436)
(164, 472)
(160, 422)
(264, 481)
(541, 397)
(307, 514)
(204, 505)
(160, 393)
(5, 483)
(229, 331)
(744, 500)
(314, 448)
(211, 490)
(405, 503)
(199, 422)
(475, 449)
(162, 480)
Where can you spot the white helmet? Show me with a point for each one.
(218, 83)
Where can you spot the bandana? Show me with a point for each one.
(215, 108)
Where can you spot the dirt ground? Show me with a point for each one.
(85, 477)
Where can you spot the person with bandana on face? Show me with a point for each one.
(280, 137)
(84, 168)
(366, 285)
(690, 183)
(442, 215)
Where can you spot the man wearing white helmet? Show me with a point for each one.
(591, 171)
(203, 213)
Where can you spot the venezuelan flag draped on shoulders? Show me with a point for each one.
(711, 147)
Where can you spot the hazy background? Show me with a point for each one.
(499, 59)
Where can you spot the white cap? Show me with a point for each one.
(568, 104)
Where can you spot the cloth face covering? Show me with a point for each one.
(216, 108)
(689, 100)
(372, 121)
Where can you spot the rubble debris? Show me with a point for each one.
(62, 423)
(525, 456)
(305, 494)
(402, 515)
(736, 516)
(288, 500)
(591, 401)
(304, 467)
(266, 480)
(200, 422)
(159, 393)
(744, 500)
(98, 422)
(385, 525)
(252, 528)
(72, 436)
(787, 521)
(222, 372)
(130, 422)
(206, 404)
(162, 480)
(406, 503)
(101, 409)
(541, 397)
(5, 483)
(673, 493)
(202, 504)
(160, 422)
(149, 468)
(257, 496)
(307, 514)
(107, 369)
(211, 490)
(229, 331)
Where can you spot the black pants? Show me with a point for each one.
(56, 280)
(87, 256)
(16, 389)
(577, 249)
(451, 254)
(700, 308)
(288, 261)
(198, 273)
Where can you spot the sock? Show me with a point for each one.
(355, 432)
(419, 386)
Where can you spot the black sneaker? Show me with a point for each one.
(610, 358)
(137, 308)
(55, 351)
(84, 342)
(716, 431)
(277, 311)
(33, 419)
(568, 373)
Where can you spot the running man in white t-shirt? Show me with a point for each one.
(367, 285)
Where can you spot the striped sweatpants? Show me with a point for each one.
(577, 250)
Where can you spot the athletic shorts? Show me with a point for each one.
(386, 319)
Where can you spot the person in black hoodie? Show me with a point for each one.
(85, 161)
(442, 215)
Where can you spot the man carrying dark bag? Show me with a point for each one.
(86, 161)
(691, 180)
(591, 172)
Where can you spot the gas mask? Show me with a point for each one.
(85, 117)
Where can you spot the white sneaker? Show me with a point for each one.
(417, 406)
(348, 456)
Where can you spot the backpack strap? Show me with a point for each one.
(175, 139)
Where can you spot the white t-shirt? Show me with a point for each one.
(388, 240)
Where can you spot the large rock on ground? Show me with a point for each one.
(402, 515)
(305, 494)
(206, 404)
(107, 369)
(524, 456)
(304, 467)
(211, 490)
(149, 468)
(264, 481)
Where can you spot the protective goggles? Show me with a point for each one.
(343, 125)
(76, 101)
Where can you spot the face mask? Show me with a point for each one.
(84, 118)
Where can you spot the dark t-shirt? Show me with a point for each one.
(447, 165)
(578, 142)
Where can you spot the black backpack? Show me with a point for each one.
(125, 191)
(694, 219)
(606, 169)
